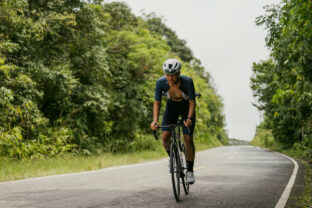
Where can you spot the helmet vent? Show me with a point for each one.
(170, 65)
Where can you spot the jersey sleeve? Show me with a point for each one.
(158, 93)
(191, 90)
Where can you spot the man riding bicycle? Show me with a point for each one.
(181, 102)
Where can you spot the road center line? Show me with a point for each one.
(231, 158)
(283, 200)
(200, 167)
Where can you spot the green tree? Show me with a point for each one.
(77, 75)
(178, 46)
(283, 88)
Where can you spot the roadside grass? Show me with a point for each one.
(206, 142)
(305, 200)
(264, 138)
(11, 169)
(14, 169)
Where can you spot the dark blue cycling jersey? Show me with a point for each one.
(187, 88)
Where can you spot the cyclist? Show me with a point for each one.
(181, 101)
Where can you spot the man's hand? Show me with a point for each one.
(154, 125)
(188, 122)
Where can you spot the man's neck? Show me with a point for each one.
(177, 83)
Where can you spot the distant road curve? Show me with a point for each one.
(230, 176)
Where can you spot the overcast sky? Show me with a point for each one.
(223, 35)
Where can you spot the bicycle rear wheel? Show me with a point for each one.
(175, 170)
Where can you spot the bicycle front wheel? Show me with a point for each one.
(175, 170)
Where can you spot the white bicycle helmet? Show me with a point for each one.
(172, 66)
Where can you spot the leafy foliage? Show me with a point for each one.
(80, 76)
(283, 83)
(178, 46)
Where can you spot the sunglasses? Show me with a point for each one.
(171, 71)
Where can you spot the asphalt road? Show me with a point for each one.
(232, 176)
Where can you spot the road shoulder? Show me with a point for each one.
(298, 187)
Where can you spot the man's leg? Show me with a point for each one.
(190, 156)
(170, 117)
(165, 137)
(189, 151)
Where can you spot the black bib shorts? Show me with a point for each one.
(173, 111)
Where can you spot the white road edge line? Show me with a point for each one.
(283, 200)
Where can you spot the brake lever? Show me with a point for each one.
(155, 134)
(188, 129)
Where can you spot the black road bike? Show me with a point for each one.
(177, 159)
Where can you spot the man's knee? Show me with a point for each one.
(188, 140)
(165, 135)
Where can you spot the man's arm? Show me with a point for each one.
(156, 109)
(188, 121)
(192, 103)
(191, 110)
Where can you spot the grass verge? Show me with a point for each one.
(20, 169)
(305, 200)
(14, 169)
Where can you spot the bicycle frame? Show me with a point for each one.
(177, 159)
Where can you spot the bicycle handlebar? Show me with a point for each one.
(164, 126)
(197, 95)
(170, 126)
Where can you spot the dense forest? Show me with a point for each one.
(283, 83)
(80, 76)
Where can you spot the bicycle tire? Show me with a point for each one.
(186, 186)
(174, 170)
